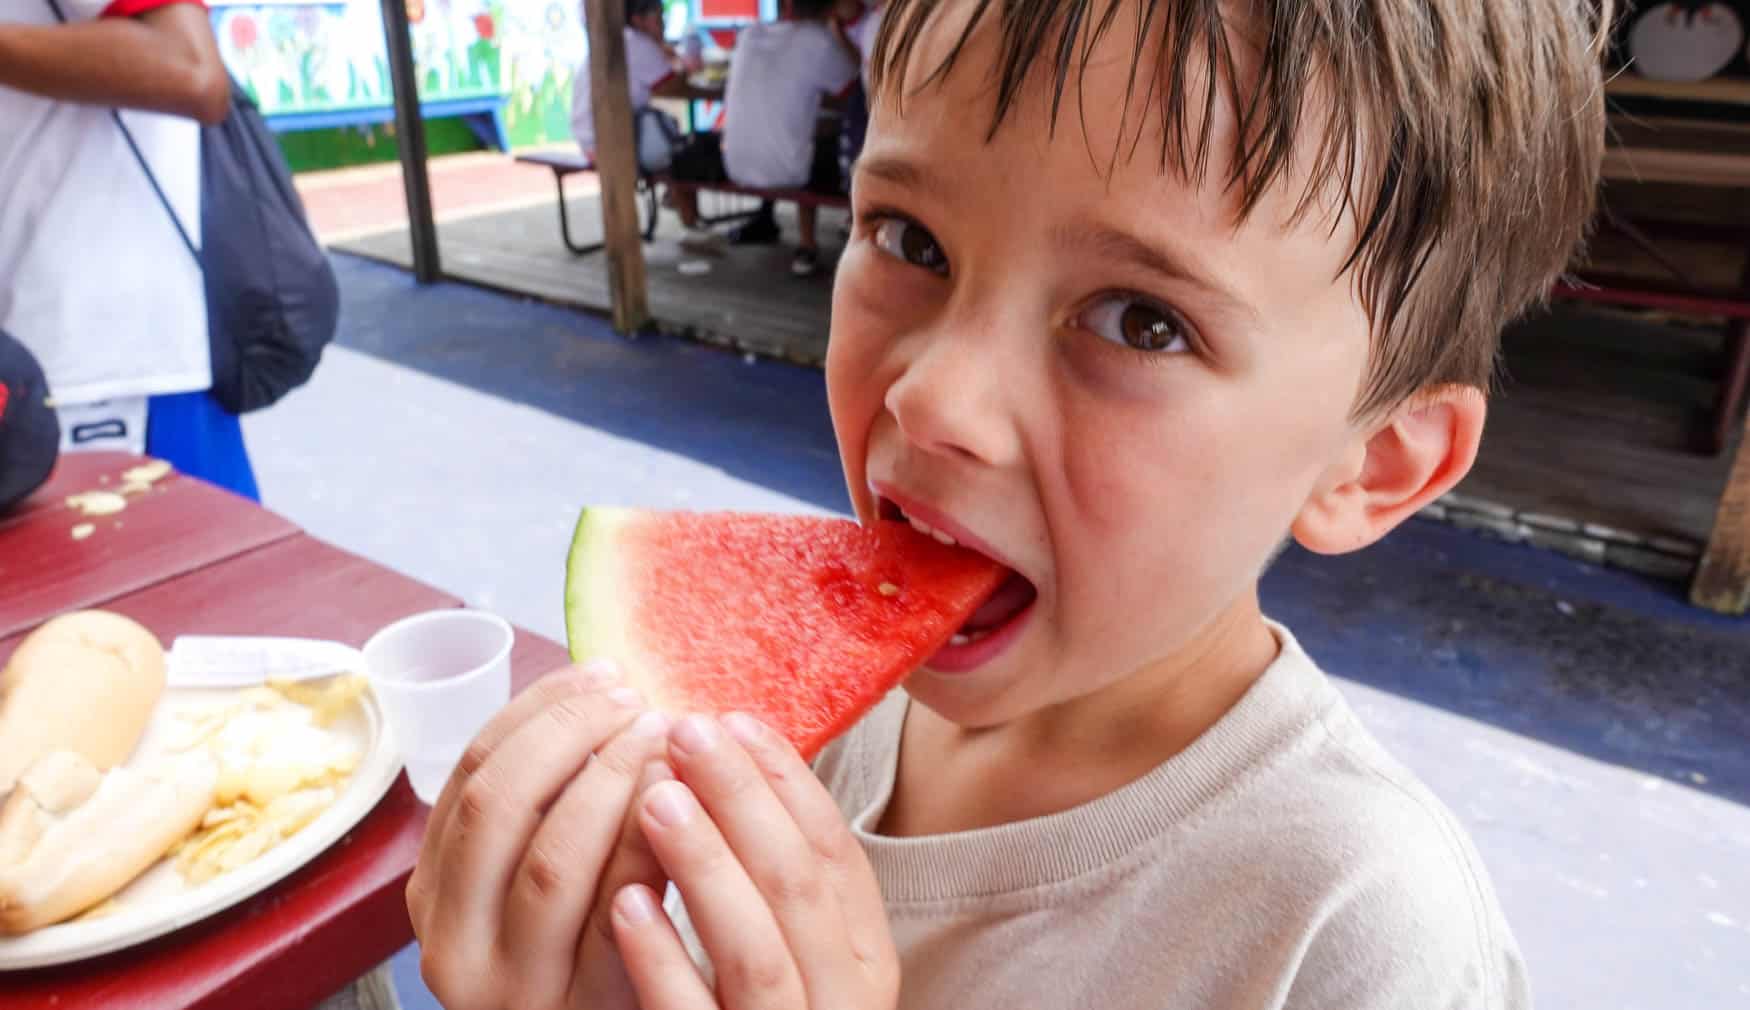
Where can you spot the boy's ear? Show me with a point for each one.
(1417, 454)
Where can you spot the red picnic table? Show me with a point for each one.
(187, 557)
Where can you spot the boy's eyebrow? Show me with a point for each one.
(1101, 241)
(903, 173)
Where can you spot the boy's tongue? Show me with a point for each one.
(1010, 599)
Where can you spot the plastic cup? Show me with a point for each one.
(439, 677)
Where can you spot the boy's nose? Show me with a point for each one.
(951, 402)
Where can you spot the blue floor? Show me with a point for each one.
(1588, 725)
(765, 423)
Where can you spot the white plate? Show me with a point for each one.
(158, 902)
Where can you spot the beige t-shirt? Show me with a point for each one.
(1283, 860)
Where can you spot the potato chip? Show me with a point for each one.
(147, 473)
(233, 780)
(277, 770)
(101, 910)
(247, 846)
(219, 815)
(327, 700)
(268, 782)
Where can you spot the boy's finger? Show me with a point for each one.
(600, 978)
(498, 808)
(554, 884)
(423, 886)
(820, 821)
(769, 845)
(664, 977)
(549, 689)
(749, 956)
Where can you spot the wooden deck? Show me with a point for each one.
(748, 300)
(1592, 425)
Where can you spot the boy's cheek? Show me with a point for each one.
(864, 296)
(870, 317)
(853, 389)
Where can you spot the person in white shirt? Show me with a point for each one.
(779, 76)
(94, 278)
(650, 73)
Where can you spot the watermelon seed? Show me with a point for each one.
(888, 589)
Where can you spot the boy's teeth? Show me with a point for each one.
(967, 637)
(930, 531)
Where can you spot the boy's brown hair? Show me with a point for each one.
(1465, 137)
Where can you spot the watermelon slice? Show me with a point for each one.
(803, 622)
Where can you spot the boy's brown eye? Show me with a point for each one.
(1136, 322)
(905, 240)
(1146, 329)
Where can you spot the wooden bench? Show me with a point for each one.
(563, 163)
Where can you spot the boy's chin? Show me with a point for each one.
(995, 693)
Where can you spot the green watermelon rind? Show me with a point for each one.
(591, 620)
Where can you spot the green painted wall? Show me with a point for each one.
(314, 150)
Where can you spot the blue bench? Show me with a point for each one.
(483, 114)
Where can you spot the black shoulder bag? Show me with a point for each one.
(272, 301)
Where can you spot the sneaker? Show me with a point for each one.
(806, 263)
(703, 241)
(761, 230)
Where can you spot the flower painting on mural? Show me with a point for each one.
(328, 56)
(1685, 40)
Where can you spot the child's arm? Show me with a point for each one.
(530, 830)
(164, 60)
(781, 895)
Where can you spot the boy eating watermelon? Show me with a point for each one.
(1135, 290)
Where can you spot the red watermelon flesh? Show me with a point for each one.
(803, 622)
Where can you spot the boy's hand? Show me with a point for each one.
(531, 828)
(781, 895)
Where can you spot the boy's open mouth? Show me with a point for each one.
(996, 623)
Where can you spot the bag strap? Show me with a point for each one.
(145, 167)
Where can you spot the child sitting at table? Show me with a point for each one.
(1137, 291)
(779, 75)
(650, 73)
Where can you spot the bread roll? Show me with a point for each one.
(70, 837)
(85, 682)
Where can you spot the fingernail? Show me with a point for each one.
(696, 734)
(635, 905)
(745, 728)
(650, 725)
(626, 696)
(670, 803)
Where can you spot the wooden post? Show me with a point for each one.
(616, 160)
(410, 141)
(1723, 581)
